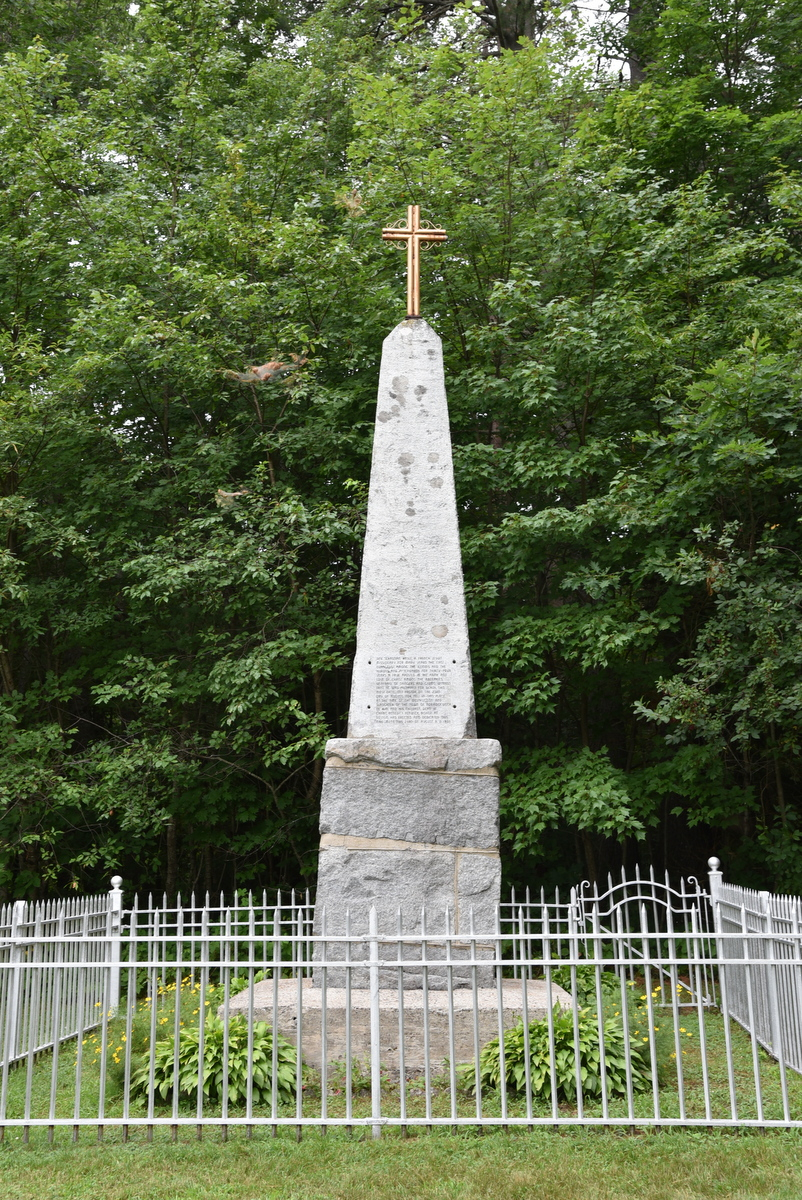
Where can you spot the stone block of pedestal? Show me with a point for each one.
(410, 827)
(472, 1012)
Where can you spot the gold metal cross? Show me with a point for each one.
(413, 234)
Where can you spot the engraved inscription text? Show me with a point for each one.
(413, 691)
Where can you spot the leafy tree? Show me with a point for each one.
(192, 301)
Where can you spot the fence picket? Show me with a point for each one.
(421, 996)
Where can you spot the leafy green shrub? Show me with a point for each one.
(213, 1064)
(565, 1058)
(585, 990)
(241, 982)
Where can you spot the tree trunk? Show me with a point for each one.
(317, 766)
(172, 858)
(634, 60)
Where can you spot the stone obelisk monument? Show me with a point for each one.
(409, 809)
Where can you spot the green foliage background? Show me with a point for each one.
(197, 186)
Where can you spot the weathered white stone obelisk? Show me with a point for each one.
(409, 810)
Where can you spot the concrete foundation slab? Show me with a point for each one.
(469, 1007)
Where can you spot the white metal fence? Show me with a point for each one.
(38, 1006)
(598, 1007)
(761, 944)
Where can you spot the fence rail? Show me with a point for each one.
(760, 942)
(614, 1007)
(44, 999)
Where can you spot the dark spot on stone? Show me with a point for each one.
(420, 390)
(433, 457)
(439, 631)
(444, 599)
(406, 460)
(400, 385)
(410, 511)
(435, 483)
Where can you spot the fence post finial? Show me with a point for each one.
(114, 934)
(715, 877)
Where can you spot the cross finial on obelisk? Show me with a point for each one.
(413, 234)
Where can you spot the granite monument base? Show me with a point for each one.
(469, 1015)
(410, 828)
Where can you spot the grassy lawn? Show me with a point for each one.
(569, 1164)
(544, 1165)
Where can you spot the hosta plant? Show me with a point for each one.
(565, 1058)
(240, 983)
(164, 1079)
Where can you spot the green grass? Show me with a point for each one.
(544, 1165)
(568, 1163)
